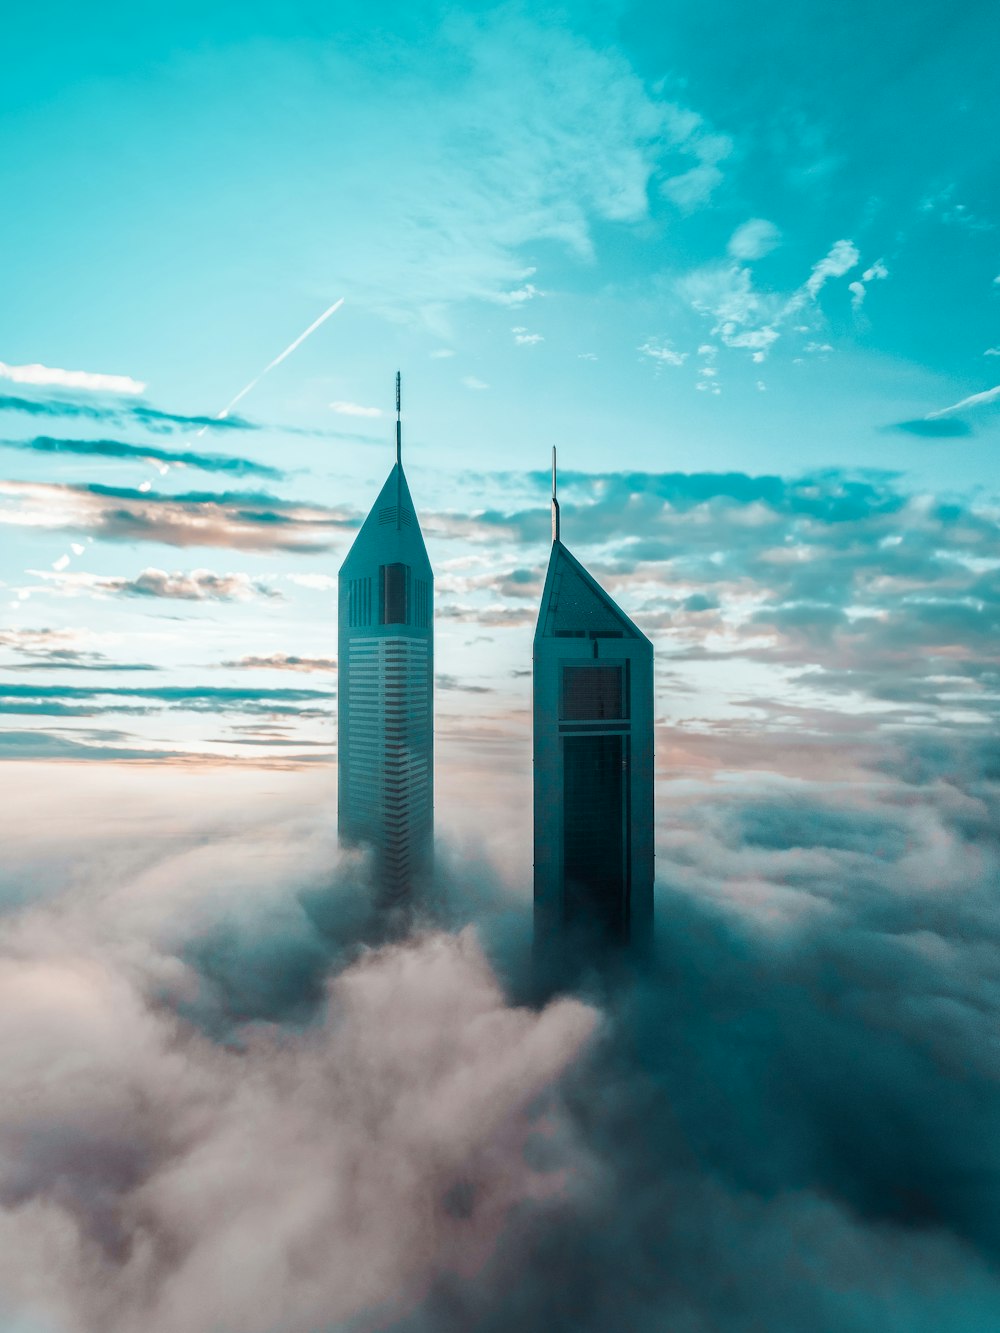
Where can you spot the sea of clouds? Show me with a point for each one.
(227, 1102)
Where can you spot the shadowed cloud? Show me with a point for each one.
(943, 428)
(117, 449)
(240, 520)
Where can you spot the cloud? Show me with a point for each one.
(525, 339)
(663, 353)
(283, 662)
(441, 353)
(53, 650)
(151, 418)
(858, 289)
(518, 296)
(754, 239)
(937, 430)
(842, 257)
(471, 382)
(239, 467)
(992, 351)
(544, 173)
(744, 316)
(188, 1113)
(247, 521)
(52, 377)
(693, 188)
(784, 1123)
(318, 582)
(449, 683)
(964, 404)
(199, 585)
(94, 700)
(355, 409)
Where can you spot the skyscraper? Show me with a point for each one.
(593, 766)
(385, 733)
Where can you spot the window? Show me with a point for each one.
(595, 844)
(592, 692)
(394, 594)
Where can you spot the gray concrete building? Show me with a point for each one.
(385, 731)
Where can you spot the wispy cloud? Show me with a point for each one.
(842, 257)
(690, 134)
(117, 449)
(51, 377)
(197, 585)
(745, 317)
(525, 339)
(518, 295)
(152, 418)
(346, 409)
(858, 289)
(240, 520)
(88, 700)
(53, 650)
(662, 353)
(282, 662)
(471, 382)
(754, 239)
(947, 429)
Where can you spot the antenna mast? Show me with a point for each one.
(555, 502)
(399, 428)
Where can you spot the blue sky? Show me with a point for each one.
(668, 240)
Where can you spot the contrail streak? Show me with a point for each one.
(277, 360)
(974, 400)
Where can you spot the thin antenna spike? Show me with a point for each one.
(399, 426)
(555, 502)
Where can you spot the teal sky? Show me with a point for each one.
(668, 239)
(741, 264)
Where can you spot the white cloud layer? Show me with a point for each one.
(176, 1184)
(663, 353)
(51, 377)
(754, 239)
(346, 409)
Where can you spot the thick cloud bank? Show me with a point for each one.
(222, 1110)
(282, 1178)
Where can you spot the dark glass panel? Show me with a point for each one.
(394, 587)
(591, 692)
(594, 850)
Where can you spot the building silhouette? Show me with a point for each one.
(593, 768)
(385, 732)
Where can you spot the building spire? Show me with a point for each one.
(555, 502)
(399, 427)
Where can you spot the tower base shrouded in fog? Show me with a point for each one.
(385, 732)
(593, 771)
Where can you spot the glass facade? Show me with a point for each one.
(595, 849)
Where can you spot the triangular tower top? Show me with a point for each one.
(391, 530)
(574, 604)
